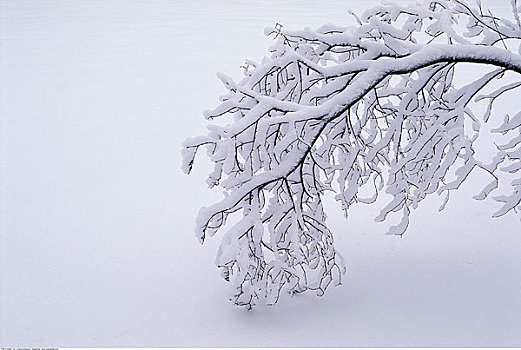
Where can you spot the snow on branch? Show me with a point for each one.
(338, 108)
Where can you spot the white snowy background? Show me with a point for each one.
(97, 243)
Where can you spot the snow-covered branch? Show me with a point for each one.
(342, 108)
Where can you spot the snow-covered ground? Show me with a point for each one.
(97, 243)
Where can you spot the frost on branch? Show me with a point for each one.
(373, 106)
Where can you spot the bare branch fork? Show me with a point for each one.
(347, 109)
